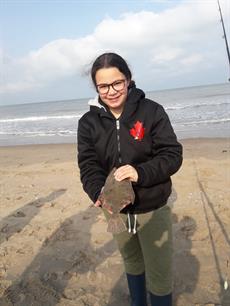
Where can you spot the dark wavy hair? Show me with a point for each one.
(109, 60)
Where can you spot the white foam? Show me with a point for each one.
(39, 118)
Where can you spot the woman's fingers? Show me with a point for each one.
(98, 203)
(126, 172)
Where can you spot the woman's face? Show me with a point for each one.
(112, 87)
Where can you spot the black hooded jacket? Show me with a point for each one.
(142, 137)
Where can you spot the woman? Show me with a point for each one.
(123, 129)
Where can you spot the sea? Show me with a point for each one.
(201, 111)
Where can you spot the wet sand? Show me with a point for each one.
(55, 249)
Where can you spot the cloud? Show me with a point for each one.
(175, 39)
(166, 55)
(192, 60)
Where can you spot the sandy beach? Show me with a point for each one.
(55, 249)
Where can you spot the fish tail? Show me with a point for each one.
(116, 225)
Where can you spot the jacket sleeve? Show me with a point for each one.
(167, 153)
(91, 173)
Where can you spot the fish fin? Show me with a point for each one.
(116, 225)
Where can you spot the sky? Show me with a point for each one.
(47, 47)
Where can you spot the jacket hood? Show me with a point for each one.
(134, 97)
(95, 103)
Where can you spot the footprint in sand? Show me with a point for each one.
(19, 214)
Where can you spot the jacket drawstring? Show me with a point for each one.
(134, 230)
(135, 224)
(129, 223)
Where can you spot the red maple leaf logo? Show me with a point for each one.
(138, 131)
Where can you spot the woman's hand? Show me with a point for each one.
(98, 203)
(107, 207)
(126, 172)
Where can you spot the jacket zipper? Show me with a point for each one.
(118, 140)
(118, 143)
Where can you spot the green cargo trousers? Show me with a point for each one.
(149, 250)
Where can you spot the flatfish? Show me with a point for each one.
(114, 197)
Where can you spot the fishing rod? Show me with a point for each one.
(225, 37)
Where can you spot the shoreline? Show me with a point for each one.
(186, 139)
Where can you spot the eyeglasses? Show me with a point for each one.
(117, 86)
